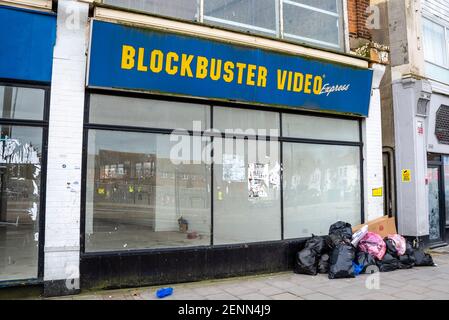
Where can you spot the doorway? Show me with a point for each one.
(438, 197)
(436, 204)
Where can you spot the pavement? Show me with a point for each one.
(419, 283)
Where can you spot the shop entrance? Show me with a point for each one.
(437, 183)
(436, 207)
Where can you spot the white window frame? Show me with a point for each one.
(279, 32)
(446, 41)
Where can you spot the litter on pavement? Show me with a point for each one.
(347, 252)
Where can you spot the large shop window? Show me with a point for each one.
(147, 190)
(322, 185)
(21, 149)
(316, 22)
(247, 200)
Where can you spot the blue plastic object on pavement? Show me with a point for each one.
(357, 268)
(164, 292)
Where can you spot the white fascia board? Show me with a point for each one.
(29, 4)
(131, 18)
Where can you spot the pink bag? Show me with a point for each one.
(373, 244)
(399, 243)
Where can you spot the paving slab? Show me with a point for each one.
(419, 283)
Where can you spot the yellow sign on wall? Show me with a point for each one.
(406, 175)
(378, 192)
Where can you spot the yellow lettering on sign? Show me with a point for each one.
(201, 67)
(262, 77)
(169, 68)
(282, 76)
(186, 60)
(156, 61)
(251, 74)
(229, 71)
(298, 82)
(140, 65)
(308, 84)
(290, 80)
(215, 69)
(241, 67)
(128, 54)
(317, 85)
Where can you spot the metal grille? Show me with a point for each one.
(442, 125)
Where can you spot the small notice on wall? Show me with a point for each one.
(378, 192)
(258, 180)
(233, 168)
(406, 175)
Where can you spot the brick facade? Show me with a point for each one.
(357, 17)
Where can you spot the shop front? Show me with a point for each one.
(27, 38)
(205, 158)
(438, 168)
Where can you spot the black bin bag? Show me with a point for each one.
(319, 245)
(407, 261)
(422, 259)
(306, 262)
(365, 260)
(341, 260)
(323, 264)
(340, 232)
(388, 263)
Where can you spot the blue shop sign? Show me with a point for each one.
(27, 39)
(126, 57)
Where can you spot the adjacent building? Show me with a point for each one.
(148, 142)
(414, 115)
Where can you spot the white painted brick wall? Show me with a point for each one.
(63, 195)
(372, 152)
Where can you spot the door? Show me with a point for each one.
(436, 203)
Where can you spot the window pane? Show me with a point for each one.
(308, 127)
(307, 25)
(321, 186)
(138, 198)
(258, 16)
(22, 103)
(434, 42)
(127, 111)
(252, 122)
(20, 168)
(185, 9)
(247, 204)
(328, 5)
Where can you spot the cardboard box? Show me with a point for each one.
(383, 226)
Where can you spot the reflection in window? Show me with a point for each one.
(435, 43)
(185, 9)
(20, 174)
(316, 22)
(138, 112)
(250, 15)
(137, 198)
(317, 128)
(321, 186)
(21, 103)
(246, 191)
